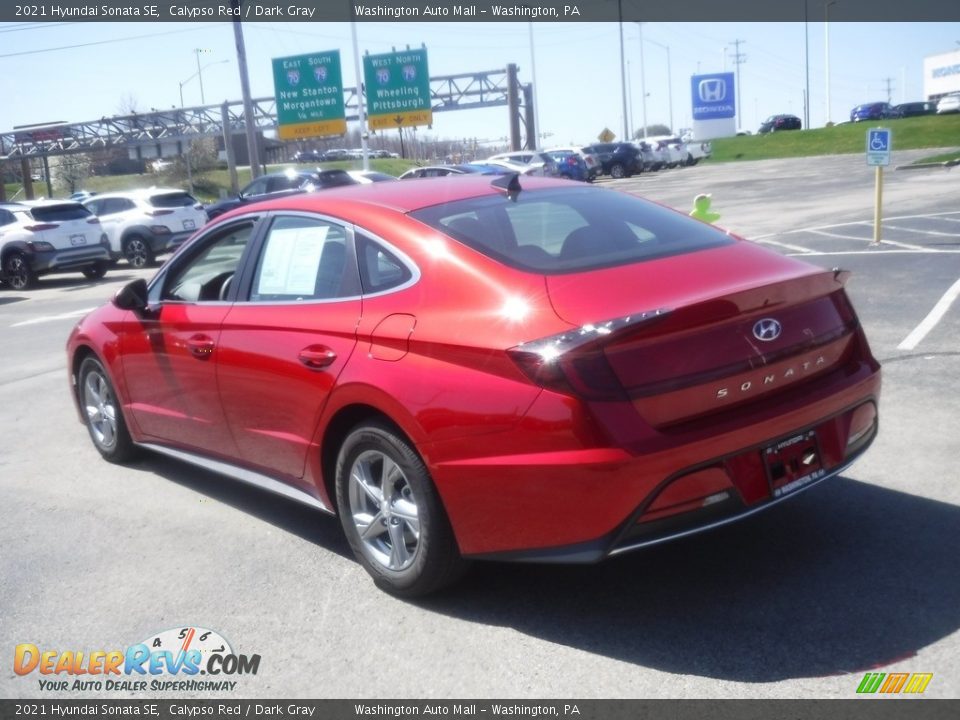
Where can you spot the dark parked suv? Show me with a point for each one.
(617, 159)
(913, 109)
(281, 184)
(776, 123)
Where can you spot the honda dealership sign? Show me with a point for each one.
(713, 102)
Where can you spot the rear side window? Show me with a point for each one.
(380, 269)
(6, 217)
(570, 229)
(60, 213)
(172, 200)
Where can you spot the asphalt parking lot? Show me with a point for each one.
(859, 574)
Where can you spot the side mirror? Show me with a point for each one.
(132, 296)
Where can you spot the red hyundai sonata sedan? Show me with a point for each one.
(474, 368)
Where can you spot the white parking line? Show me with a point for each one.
(839, 236)
(798, 249)
(872, 252)
(52, 318)
(931, 320)
(939, 215)
(923, 232)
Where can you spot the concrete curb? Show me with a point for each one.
(924, 166)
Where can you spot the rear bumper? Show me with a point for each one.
(582, 505)
(72, 259)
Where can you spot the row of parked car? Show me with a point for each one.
(584, 163)
(881, 111)
(312, 156)
(89, 233)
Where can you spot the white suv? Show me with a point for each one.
(142, 224)
(50, 236)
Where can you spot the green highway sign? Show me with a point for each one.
(398, 89)
(309, 95)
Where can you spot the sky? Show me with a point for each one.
(122, 65)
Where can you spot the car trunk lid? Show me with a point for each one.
(722, 327)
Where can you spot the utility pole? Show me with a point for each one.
(738, 59)
(806, 62)
(248, 114)
(889, 82)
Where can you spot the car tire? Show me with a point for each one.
(402, 538)
(102, 413)
(18, 273)
(137, 251)
(618, 171)
(95, 272)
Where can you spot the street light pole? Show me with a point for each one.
(623, 74)
(182, 83)
(536, 97)
(197, 51)
(826, 35)
(806, 61)
(669, 81)
(643, 83)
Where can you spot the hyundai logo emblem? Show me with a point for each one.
(766, 330)
(713, 90)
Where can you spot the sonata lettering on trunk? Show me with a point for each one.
(792, 372)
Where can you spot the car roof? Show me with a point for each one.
(50, 203)
(398, 196)
(135, 192)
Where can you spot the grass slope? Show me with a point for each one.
(933, 131)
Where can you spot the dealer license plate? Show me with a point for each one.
(189, 224)
(793, 463)
(78, 239)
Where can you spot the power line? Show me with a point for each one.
(101, 42)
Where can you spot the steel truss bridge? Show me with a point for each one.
(465, 91)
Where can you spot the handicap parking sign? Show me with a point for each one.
(879, 145)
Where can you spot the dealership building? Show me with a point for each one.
(941, 75)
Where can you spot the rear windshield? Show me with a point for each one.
(173, 200)
(59, 213)
(570, 229)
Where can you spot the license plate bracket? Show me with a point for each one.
(793, 463)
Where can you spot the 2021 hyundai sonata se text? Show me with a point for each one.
(485, 367)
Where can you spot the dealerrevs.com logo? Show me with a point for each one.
(181, 659)
(894, 683)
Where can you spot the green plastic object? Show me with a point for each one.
(701, 209)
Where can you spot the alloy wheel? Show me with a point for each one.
(101, 409)
(384, 510)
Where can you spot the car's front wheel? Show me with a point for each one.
(19, 275)
(102, 413)
(617, 171)
(137, 251)
(392, 515)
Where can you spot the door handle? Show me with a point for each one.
(317, 357)
(200, 346)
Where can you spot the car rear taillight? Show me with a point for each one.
(157, 213)
(41, 227)
(93, 220)
(574, 362)
(159, 229)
